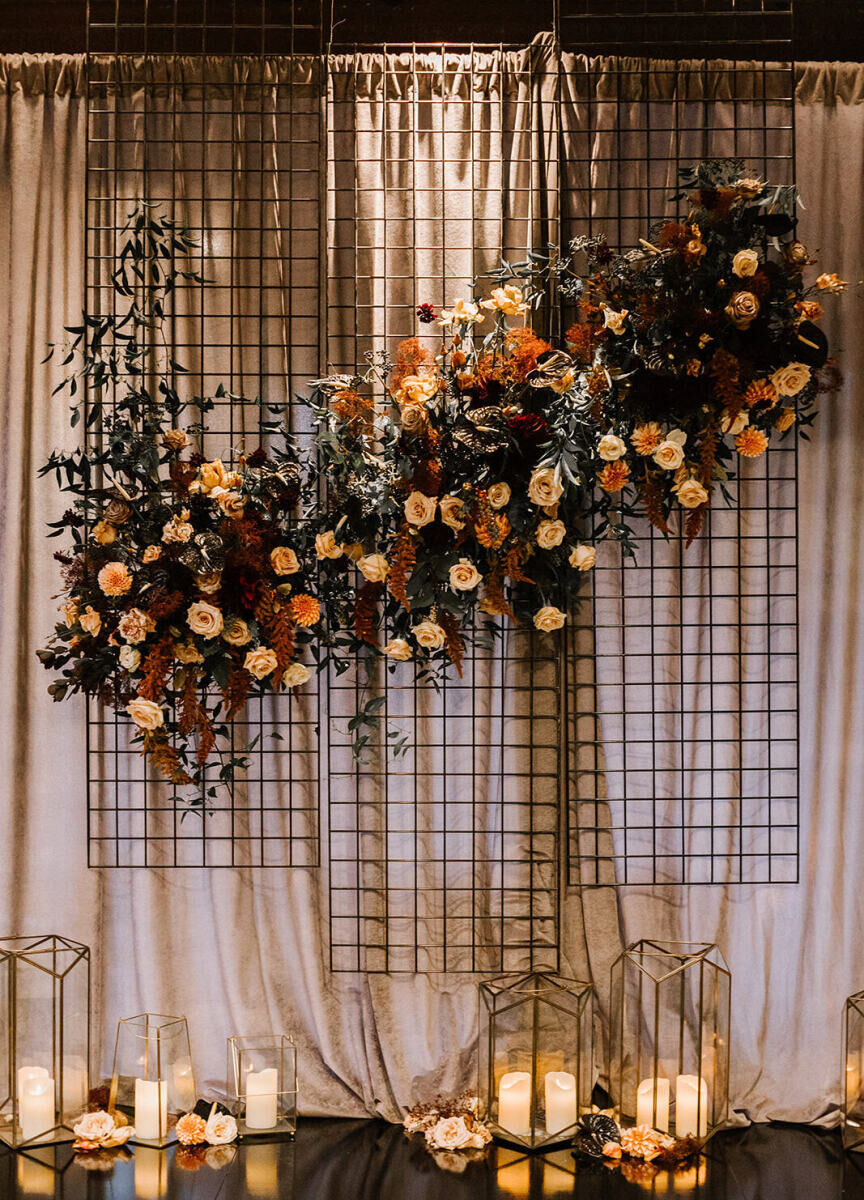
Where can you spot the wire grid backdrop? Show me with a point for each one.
(212, 109)
(682, 694)
(444, 858)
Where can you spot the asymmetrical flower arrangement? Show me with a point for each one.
(465, 482)
(699, 347)
(451, 1129)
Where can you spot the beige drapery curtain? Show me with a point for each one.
(234, 948)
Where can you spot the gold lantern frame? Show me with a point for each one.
(852, 1110)
(152, 1077)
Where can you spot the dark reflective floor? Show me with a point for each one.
(369, 1160)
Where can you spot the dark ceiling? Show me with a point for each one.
(820, 31)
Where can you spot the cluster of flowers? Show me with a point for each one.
(451, 1129)
(701, 346)
(219, 1129)
(100, 1130)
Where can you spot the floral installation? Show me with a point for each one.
(100, 1130)
(189, 583)
(639, 1150)
(701, 347)
(451, 1130)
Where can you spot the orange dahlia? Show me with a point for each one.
(751, 442)
(646, 438)
(305, 609)
(114, 579)
(613, 476)
(760, 391)
(191, 1130)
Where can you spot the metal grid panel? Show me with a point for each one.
(682, 693)
(213, 108)
(445, 859)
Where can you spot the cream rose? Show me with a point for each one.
(691, 493)
(745, 263)
(611, 447)
(373, 567)
(232, 504)
(130, 659)
(742, 309)
(236, 633)
(420, 509)
(413, 418)
(145, 713)
(429, 635)
(69, 609)
(415, 389)
(100, 1129)
(789, 380)
(326, 547)
(749, 188)
(151, 554)
(221, 1129)
(549, 618)
(296, 674)
(508, 299)
(452, 509)
(498, 495)
(669, 455)
(544, 488)
(550, 534)
(90, 621)
(134, 626)
(462, 312)
(464, 576)
(614, 321)
(209, 583)
(175, 439)
(733, 425)
(451, 1133)
(260, 662)
(582, 558)
(399, 649)
(188, 652)
(177, 529)
(205, 619)
(104, 533)
(284, 560)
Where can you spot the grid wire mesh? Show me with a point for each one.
(212, 109)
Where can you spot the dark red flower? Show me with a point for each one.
(602, 252)
(196, 459)
(426, 313)
(257, 458)
(529, 428)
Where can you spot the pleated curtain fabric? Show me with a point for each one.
(440, 189)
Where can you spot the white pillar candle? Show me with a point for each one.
(560, 1088)
(514, 1102)
(36, 1112)
(691, 1106)
(151, 1109)
(645, 1104)
(261, 1089)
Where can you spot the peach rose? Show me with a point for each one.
(90, 621)
(284, 560)
(420, 509)
(104, 533)
(373, 567)
(413, 418)
(451, 509)
(669, 455)
(399, 649)
(549, 618)
(498, 495)
(745, 263)
(69, 609)
(742, 310)
(611, 447)
(260, 662)
(232, 504)
(188, 652)
(115, 579)
(452, 1133)
(544, 488)
(134, 625)
(691, 493)
(177, 529)
(145, 713)
(130, 659)
(508, 299)
(582, 558)
(415, 389)
(789, 380)
(209, 583)
(429, 635)
(236, 632)
(212, 474)
(797, 254)
(550, 534)
(462, 312)
(464, 576)
(151, 554)
(830, 282)
(295, 674)
(326, 547)
(175, 439)
(205, 619)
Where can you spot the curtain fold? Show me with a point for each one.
(242, 949)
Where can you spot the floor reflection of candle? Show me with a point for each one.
(262, 1170)
(515, 1179)
(151, 1173)
(34, 1179)
(514, 1102)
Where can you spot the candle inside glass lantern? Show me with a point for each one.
(151, 1109)
(261, 1092)
(514, 1102)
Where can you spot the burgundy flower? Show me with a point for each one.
(196, 459)
(529, 428)
(426, 313)
(602, 252)
(257, 458)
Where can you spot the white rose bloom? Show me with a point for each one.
(669, 455)
(745, 263)
(464, 576)
(789, 380)
(691, 493)
(145, 713)
(463, 312)
(129, 658)
(205, 619)
(611, 447)
(420, 509)
(399, 649)
(296, 674)
(733, 425)
(429, 635)
(582, 558)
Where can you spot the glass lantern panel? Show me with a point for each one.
(153, 1078)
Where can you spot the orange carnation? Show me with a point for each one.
(304, 609)
(751, 442)
(613, 476)
(760, 391)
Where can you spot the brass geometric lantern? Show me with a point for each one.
(152, 1079)
(669, 1043)
(536, 1057)
(262, 1077)
(852, 1114)
(44, 1038)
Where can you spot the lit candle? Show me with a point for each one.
(514, 1102)
(691, 1106)
(560, 1087)
(261, 1088)
(35, 1102)
(151, 1110)
(645, 1104)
